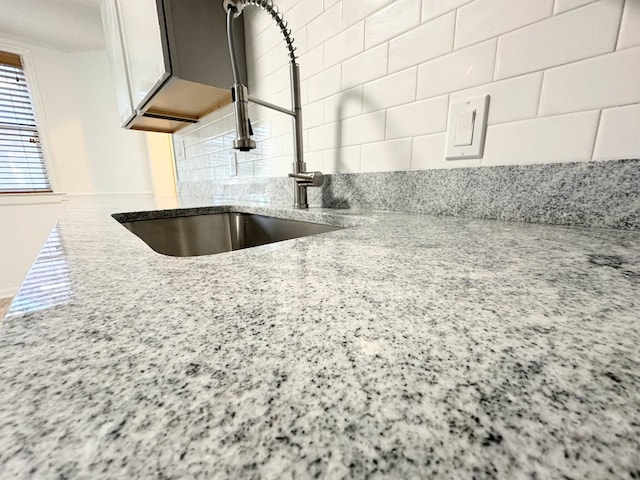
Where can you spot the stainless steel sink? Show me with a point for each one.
(187, 236)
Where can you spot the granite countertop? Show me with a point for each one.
(407, 346)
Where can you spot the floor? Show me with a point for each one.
(4, 306)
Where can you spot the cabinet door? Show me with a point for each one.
(143, 45)
(119, 75)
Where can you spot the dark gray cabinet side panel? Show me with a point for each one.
(197, 36)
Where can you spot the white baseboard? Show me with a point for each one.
(10, 199)
(110, 194)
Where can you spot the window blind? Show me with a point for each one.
(22, 165)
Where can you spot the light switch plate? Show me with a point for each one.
(463, 110)
(465, 124)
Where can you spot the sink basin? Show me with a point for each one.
(205, 234)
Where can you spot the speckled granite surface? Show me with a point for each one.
(592, 194)
(407, 347)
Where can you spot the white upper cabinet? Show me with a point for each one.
(143, 43)
(115, 51)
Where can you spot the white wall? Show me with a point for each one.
(379, 75)
(92, 153)
(161, 164)
(87, 152)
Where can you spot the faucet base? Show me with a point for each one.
(299, 196)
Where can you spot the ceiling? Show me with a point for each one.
(67, 25)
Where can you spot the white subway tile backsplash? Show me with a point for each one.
(378, 77)
(302, 13)
(264, 42)
(280, 125)
(342, 160)
(455, 71)
(287, 144)
(304, 92)
(261, 130)
(257, 114)
(313, 114)
(365, 67)
(435, 8)
(485, 19)
(345, 104)
(270, 85)
(353, 11)
(287, 5)
(390, 91)
(418, 118)
(262, 168)
(630, 28)
(605, 81)
(389, 156)
(269, 63)
(300, 41)
(563, 138)
(281, 166)
(305, 139)
(244, 170)
(216, 174)
(325, 26)
(429, 40)
(619, 134)
(250, 156)
(344, 45)
(574, 35)
(325, 83)
(272, 147)
(362, 129)
(511, 100)
(397, 18)
(256, 22)
(312, 62)
(564, 5)
(324, 137)
(314, 161)
(429, 153)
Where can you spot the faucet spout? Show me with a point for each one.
(239, 94)
(241, 99)
(244, 141)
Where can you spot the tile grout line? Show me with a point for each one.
(618, 38)
(455, 29)
(595, 138)
(411, 154)
(539, 109)
(495, 61)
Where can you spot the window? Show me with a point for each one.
(22, 165)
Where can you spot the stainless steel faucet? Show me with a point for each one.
(241, 98)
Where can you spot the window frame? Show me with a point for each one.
(30, 73)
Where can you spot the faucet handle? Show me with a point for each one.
(308, 179)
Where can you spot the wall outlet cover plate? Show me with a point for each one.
(233, 164)
(458, 111)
